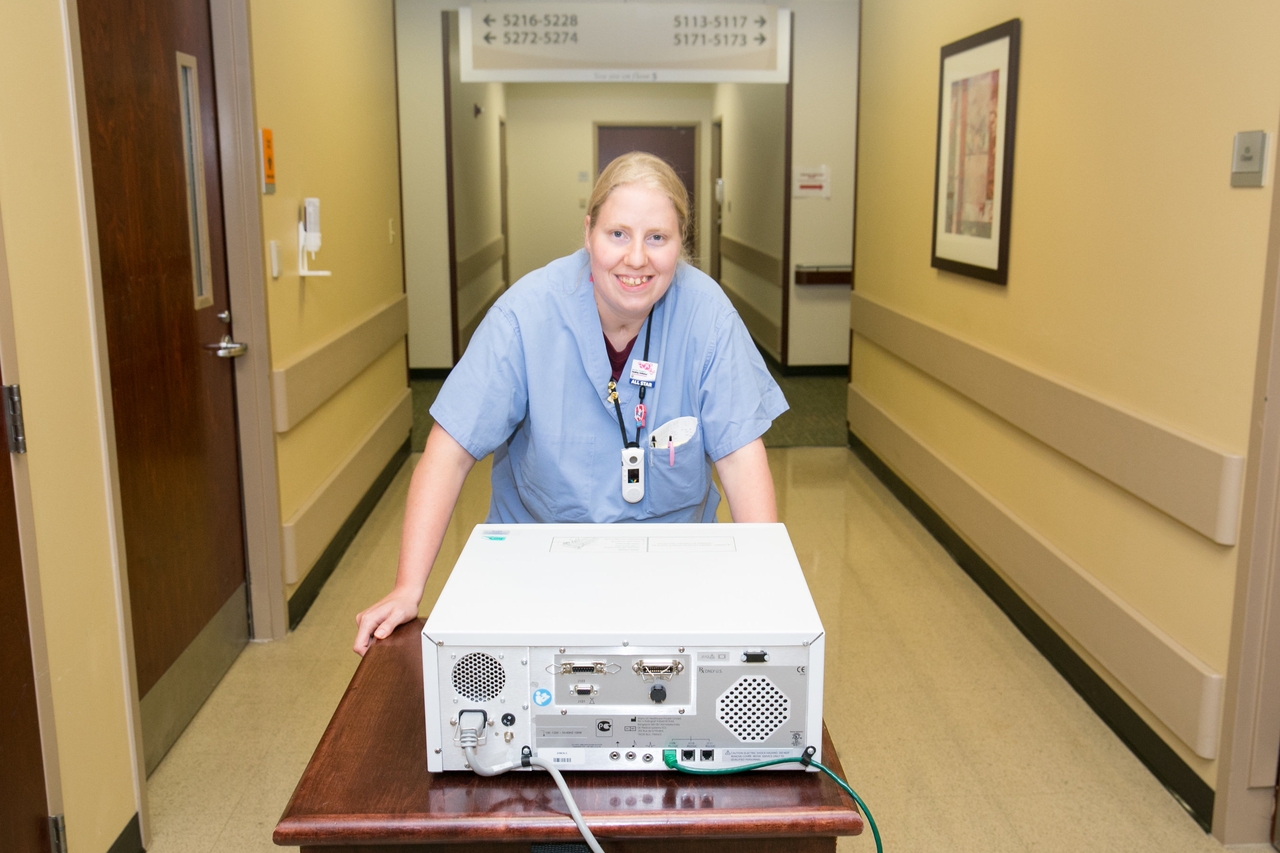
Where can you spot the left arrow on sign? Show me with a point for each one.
(488, 38)
(488, 20)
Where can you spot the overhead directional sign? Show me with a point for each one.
(625, 42)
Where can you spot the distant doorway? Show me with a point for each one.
(677, 144)
(717, 198)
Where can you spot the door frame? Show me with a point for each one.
(246, 280)
(102, 368)
(1245, 794)
(30, 565)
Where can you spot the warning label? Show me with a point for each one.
(747, 756)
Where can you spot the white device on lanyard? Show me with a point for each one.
(632, 474)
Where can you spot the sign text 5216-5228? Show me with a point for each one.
(624, 42)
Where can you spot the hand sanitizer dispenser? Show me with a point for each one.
(311, 224)
(309, 236)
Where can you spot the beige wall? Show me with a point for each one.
(753, 164)
(325, 83)
(68, 464)
(1138, 281)
(824, 114)
(551, 143)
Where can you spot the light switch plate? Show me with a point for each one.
(1249, 159)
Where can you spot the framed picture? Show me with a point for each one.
(973, 183)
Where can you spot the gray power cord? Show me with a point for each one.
(469, 739)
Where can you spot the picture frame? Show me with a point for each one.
(973, 170)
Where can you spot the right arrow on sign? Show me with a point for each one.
(760, 38)
(760, 21)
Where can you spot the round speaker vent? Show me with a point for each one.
(753, 709)
(479, 677)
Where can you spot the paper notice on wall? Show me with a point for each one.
(811, 182)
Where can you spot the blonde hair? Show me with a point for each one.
(639, 167)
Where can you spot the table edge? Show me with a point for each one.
(402, 829)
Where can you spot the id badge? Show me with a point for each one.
(644, 373)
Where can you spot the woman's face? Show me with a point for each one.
(634, 247)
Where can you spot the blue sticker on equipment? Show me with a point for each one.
(542, 698)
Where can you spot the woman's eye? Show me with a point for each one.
(618, 235)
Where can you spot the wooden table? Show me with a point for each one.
(367, 789)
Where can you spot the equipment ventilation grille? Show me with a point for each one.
(753, 709)
(479, 677)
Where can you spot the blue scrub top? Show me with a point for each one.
(532, 388)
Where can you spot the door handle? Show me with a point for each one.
(227, 348)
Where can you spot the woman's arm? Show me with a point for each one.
(748, 485)
(433, 493)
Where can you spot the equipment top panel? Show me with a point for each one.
(642, 584)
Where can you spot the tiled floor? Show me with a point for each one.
(955, 731)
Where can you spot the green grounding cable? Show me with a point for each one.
(669, 758)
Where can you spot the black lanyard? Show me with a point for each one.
(613, 389)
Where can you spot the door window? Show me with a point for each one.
(197, 215)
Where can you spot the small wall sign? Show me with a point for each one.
(268, 153)
(811, 182)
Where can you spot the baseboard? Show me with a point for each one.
(305, 595)
(130, 838)
(1166, 765)
(841, 370)
(173, 701)
(429, 372)
(801, 369)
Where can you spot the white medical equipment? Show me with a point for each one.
(600, 647)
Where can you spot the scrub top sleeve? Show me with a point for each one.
(738, 399)
(487, 394)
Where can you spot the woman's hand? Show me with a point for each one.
(433, 493)
(377, 622)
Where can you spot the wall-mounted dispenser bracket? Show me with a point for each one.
(302, 255)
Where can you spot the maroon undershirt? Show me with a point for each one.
(618, 358)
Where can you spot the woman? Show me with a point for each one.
(557, 405)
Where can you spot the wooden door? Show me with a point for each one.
(24, 809)
(677, 144)
(153, 140)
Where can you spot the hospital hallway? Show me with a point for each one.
(958, 734)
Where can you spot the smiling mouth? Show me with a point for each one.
(633, 281)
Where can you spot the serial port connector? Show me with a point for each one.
(584, 667)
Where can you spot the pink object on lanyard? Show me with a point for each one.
(671, 453)
(640, 412)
